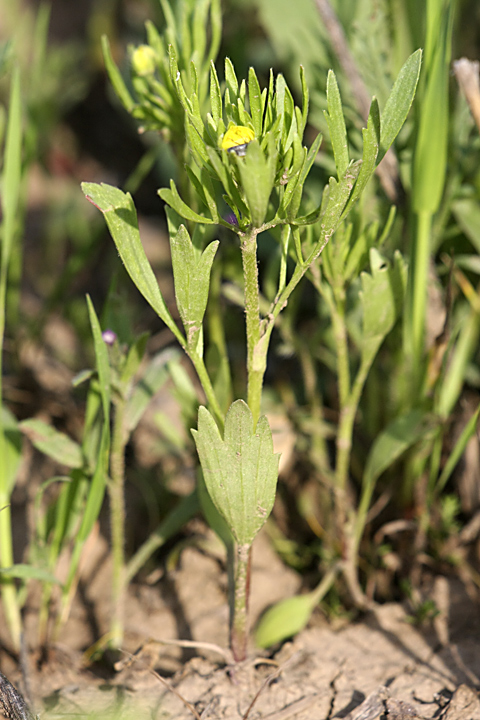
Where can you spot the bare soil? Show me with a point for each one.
(380, 667)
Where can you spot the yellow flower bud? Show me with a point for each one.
(144, 60)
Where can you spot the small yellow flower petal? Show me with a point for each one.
(237, 138)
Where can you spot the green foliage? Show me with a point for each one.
(249, 150)
(282, 163)
(240, 471)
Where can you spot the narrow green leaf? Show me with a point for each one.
(53, 443)
(116, 77)
(399, 101)
(255, 100)
(371, 144)
(101, 361)
(204, 187)
(293, 204)
(216, 29)
(172, 198)
(231, 79)
(457, 452)
(463, 353)
(215, 94)
(97, 486)
(223, 174)
(121, 218)
(305, 98)
(336, 125)
(392, 443)
(199, 36)
(196, 144)
(12, 167)
(29, 572)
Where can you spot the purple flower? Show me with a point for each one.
(231, 218)
(109, 337)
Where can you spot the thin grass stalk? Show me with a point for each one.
(116, 490)
(429, 172)
(11, 191)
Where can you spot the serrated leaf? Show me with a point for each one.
(241, 470)
(53, 443)
(191, 272)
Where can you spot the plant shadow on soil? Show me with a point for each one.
(381, 666)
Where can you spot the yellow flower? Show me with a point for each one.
(144, 60)
(237, 138)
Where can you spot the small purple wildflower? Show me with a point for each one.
(109, 337)
(231, 218)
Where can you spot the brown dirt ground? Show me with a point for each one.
(380, 667)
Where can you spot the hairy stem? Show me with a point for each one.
(239, 628)
(256, 345)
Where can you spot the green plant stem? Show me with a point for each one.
(239, 627)
(9, 592)
(257, 345)
(207, 386)
(419, 292)
(11, 178)
(117, 520)
(337, 307)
